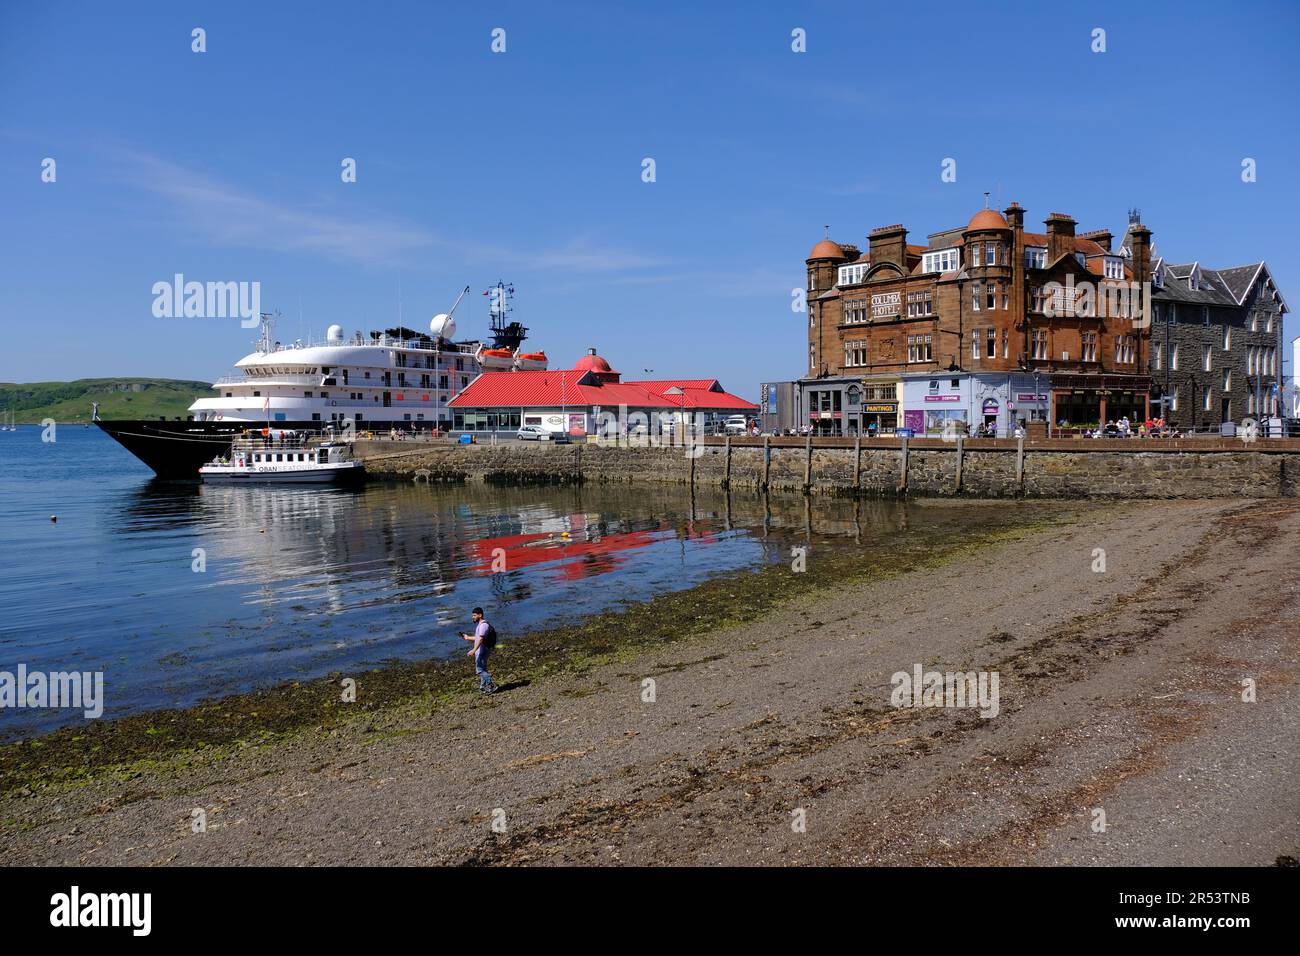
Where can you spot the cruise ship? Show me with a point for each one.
(394, 378)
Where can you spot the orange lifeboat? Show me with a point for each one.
(531, 361)
(495, 359)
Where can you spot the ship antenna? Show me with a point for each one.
(264, 344)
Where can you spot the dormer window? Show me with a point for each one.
(851, 275)
(1035, 257)
(941, 260)
(1113, 267)
(1080, 258)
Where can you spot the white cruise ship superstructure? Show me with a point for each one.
(377, 380)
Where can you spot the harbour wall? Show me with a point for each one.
(996, 468)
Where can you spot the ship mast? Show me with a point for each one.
(506, 334)
(263, 343)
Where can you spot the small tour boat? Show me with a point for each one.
(531, 361)
(283, 461)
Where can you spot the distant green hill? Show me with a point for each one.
(117, 397)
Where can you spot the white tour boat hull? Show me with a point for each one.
(225, 474)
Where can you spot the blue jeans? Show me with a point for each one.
(480, 667)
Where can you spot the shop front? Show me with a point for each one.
(834, 406)
(1000, 403)
(1092, 400)
(879, 418)
(879, 411)
(936, 405)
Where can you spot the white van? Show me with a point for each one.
(736, 425)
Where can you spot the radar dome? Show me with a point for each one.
(334, 333)
(443, 325)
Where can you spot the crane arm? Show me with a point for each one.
(452, 310)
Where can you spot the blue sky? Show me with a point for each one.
(473, 166)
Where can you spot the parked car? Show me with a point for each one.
(532, 433)
(737, 425)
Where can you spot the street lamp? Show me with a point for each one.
(676, 390)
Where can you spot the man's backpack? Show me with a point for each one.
(490, 638)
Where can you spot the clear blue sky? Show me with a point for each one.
(527, 165)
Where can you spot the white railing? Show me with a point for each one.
(383, 342)
(271, 380)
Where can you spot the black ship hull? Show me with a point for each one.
(176, 450)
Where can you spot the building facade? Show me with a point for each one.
(778, 407)
(1216, 344)
(588, 398)
(985, 325)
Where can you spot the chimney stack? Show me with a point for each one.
(1060, 236)
(1102, 237)
(889, 244)
(1140, 244)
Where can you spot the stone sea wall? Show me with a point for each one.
(1085, 468)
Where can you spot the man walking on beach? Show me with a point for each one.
(484, 638)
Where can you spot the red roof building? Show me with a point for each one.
(503, 401)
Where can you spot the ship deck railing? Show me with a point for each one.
(293, 440)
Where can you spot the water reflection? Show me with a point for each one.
(184, 592)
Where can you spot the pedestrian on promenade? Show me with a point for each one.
(485, 639)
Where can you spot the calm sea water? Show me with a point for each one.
(303, 582)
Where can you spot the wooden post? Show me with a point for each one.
(857, 462)
(961, 454)
(767, 460)
(726, 467)
(902, 478)
(690, 473)
(807, 465)
(1020, 465)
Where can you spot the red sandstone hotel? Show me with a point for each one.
(964, 328)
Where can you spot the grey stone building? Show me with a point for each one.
(778, 406)
(1216, 343)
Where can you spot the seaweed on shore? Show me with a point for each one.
(134, 745)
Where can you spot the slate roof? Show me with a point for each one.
(1226, 287)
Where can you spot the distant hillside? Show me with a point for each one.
(118, 398)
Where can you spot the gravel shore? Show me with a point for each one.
(774, 741)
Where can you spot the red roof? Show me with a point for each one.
(986, 219)
(592, 361)
(577, 387)
(826, 249)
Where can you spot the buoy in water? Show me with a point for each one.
(54, 518)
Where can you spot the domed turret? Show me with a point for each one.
(597, 366)
(987, 219)
(591, 362)
(827, 249)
